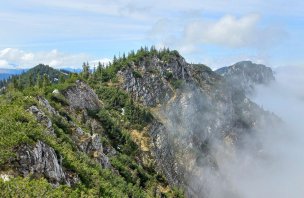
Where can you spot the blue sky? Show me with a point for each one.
(65, 33)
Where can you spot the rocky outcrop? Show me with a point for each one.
(246, 75)
(91, 145)
(149, 89)
(41, 160)
(152, 82)
(87, 143)
(43, 119)
(81, 96)
(45, 104)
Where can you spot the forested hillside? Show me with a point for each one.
(77, 135)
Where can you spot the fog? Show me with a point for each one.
(284, 176)
(273, 169)
(277, 170)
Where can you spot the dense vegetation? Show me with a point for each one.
(39, 75)
(119, 116)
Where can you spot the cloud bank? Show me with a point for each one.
(12, 58)
(228, 31)
(277, 169)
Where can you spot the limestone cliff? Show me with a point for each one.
(194, 108)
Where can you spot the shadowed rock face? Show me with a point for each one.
(81, 96)
(41, 160)
(155, 85)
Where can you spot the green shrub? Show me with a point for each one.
(168, 75)
(136, 74)
(177, 83)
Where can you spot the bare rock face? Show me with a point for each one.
(164, 153)
(81, 96)
(41, 160)
(152, 82)
(91, 145)
(149, 81)
(43, 119)
(148, 89)
(45, 103)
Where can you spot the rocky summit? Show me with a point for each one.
(246, 75)
(148, 125)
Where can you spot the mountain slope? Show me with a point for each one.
(65, 135)
(35, 75)
(147, 123)
(194, 110)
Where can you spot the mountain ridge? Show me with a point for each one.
(148, 121)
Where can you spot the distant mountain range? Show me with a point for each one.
(6, 73)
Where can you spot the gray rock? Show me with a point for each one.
(81, 96)
(45, 103)
(41, 160)
(150, 89)
(91, 145)
(43, 119)
(154, 86)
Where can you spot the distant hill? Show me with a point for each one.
(33, 74)
(6, 73)
(40, 70)
(4, 76)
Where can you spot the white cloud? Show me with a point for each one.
(116, 8)
(104, 61)
(230, 31)
(12, 58)
(227, 32)
(3, 63)
(146, 9)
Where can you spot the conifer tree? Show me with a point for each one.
(85, 70)
(46, 82)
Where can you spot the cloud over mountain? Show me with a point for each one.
(13, 58)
